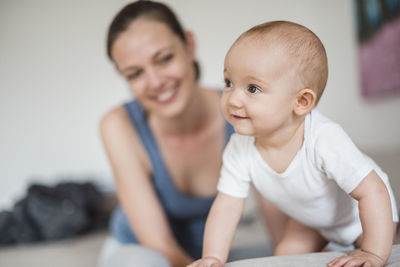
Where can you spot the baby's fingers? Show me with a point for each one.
(339, 261)
(348, 261)
(205, 263)
(199, 264)
(194, 264)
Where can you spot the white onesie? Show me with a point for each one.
(315, 188)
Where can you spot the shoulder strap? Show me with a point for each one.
(138, 117)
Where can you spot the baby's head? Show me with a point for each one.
(293, 50)
(274, 74)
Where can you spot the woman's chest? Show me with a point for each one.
(194, 163)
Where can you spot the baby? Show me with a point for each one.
(297, 158)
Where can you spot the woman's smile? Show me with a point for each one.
(167, 96)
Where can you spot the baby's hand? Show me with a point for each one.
(357, 258)
(207, 262)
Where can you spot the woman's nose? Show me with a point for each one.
(154, 79)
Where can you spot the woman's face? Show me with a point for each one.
(158, 66)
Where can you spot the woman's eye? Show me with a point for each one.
(228, 83)
(253, 89)
(166, 58)
(133, 75)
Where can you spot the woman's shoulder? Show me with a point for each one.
(118, 133)
(115, 118)
(122, 144)
(116, 126)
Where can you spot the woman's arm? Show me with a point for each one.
(134, 187)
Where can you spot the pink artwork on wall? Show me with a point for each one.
(378, 28)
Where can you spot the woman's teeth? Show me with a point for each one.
(166, 95)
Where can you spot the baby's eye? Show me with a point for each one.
(228, 83)
(253, 89)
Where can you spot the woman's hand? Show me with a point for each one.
(207, 262)
(358, 258)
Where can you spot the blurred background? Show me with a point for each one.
(56, 81)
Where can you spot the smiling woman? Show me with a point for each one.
(164, 65)
(165, 147)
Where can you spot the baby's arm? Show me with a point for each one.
(220, 229)
(377, 223)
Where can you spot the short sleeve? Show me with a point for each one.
(234, 178)
(339, 158)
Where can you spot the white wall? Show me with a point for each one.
(56, 82)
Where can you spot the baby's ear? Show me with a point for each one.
(305, 101)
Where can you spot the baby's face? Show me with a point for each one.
(260, 88)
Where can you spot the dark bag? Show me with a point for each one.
(51, 213)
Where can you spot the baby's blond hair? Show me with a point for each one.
(302, 44)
